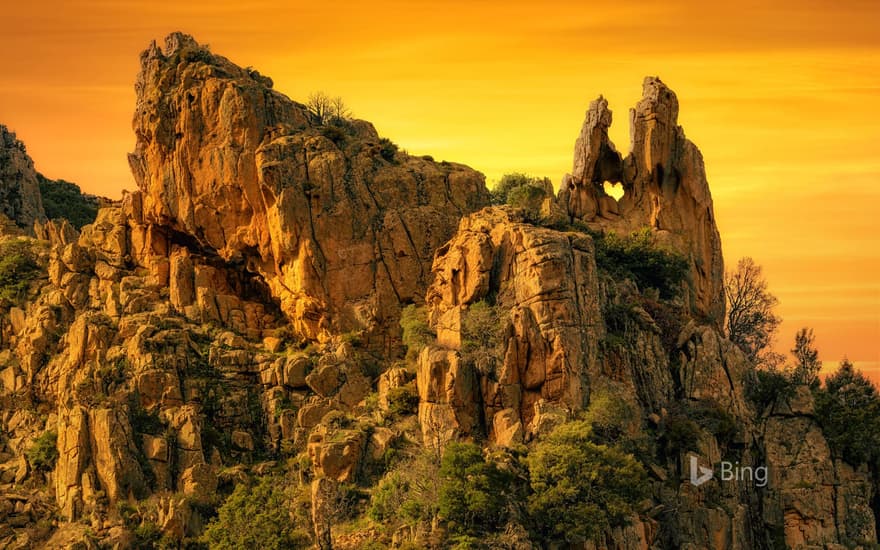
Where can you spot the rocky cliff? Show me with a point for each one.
(340, 234)
(238, 318)
(19, 192)
(664, 183)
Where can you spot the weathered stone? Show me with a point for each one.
(388, 380)
(664, 184)
(199, 482)
(336, 455)
(20, 199)
(324, 380)
(252, 155)
(296, 368)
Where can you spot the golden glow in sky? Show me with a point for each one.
(782, 100)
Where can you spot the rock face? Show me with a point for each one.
(664, 184)
(544, 283)
(813, 500)
(20, 199)
(340, 234)
(238, 315)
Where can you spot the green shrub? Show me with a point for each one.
(472, 491)
(18, 268)
(609, 415)
(334, 134)
(416, 332)
(257, 515)
(710, 415)
(619, 318)
(679, 433)
(387, 149)
(765, 385)
(636, 257)
(579, 488)
(403, 400)
(388, 498)
(62, 199)
(482, 333)
(529, 199)
(43, 452)
(147, 536)
(670, 319)
(407, 495)
(509, 182)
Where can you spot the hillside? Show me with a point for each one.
(295, 330)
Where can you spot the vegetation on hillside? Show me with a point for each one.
(580, 488)
(62, 199)
(260, 515)
(637, 257)
(18, 268)
(848, 408)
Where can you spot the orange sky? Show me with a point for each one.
(782, 100)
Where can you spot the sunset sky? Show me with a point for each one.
(783, 101)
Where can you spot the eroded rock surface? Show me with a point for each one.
(665, 188)
(340, 233)
(238, 316)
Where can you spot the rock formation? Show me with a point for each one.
(237, 317)
(664, 183)
(340, 234)
(544, 282)
(19, 192)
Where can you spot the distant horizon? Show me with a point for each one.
(779, 111)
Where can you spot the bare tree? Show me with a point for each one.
(338, 109)
(325, 108)
(319, 105)
(751, 322)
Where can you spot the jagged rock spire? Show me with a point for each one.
(664, 183)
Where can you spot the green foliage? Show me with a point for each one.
(62, 199)
(416, 332)
(711, 416)
(679, 433)
(407, 495)
(334, 133)
(43, 452)
(509, 182)
(848, 409)
(387, 149)
(482, 333)
(609, 415)
(528, 198)
(472, 490)
(147, 536)
(18, 267)
(765, 385)
(389, 498)
(257, 515)
(636, 257)
(669, 318)
(619, 318)
(403, 400)
(580, 488)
